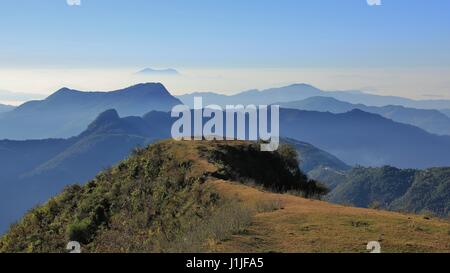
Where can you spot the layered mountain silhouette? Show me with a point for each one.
(67, 112)
(47, 166)
(34, 170)
(358, 137)
(431, 120)
(303, 91)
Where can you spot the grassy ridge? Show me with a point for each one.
(155, 201)
(213, 197)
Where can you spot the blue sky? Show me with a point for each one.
(229, 35)
(225, 33)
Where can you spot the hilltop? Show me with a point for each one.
(213, 197)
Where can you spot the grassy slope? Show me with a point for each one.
(304, 225)
(280, 222)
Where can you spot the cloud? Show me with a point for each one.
(18, 96)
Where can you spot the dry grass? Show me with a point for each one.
(302, 225)
(288, 223)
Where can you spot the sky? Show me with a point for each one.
(401, 47)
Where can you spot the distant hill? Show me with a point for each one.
(391, 188)
(5, 108)
(303, 91)
(431, 120)
(318, 164)
(311, 157)
(207, 197)
(158, 72)
(67, 112)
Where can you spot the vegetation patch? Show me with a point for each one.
(277, 171)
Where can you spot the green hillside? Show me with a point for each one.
(395, 189)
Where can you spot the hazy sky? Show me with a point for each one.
(227, 45)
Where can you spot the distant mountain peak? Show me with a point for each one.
(63, 93)
(357, 111)
(153, 88)
(103, 120)
(108, 115)
(65, 90)
(304, 85)
(147, 85)
(152, 71)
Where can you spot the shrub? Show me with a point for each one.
(277, 171)
(80, 231)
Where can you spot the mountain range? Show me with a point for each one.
(302, 91)
(328, 143)
(47, 166)
(432, 121)
(67, 112)
(358, 137)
